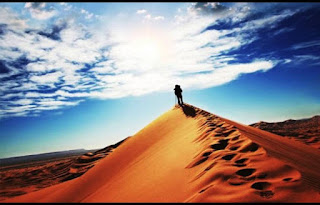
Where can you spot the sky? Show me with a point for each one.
(87, 75)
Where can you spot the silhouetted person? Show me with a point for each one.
(178, 93)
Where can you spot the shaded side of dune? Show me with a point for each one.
(232, 167)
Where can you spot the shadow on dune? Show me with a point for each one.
(188, 110)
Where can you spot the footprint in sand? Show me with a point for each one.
(261, 185)
(262, 188)
(222, 144)
(241, 161)
(245, 172)
(251, 147)
(233, 148)
(235, 138)
(228, 157)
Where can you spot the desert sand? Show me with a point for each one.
(22, 178)
(190, 155)
(306, 130)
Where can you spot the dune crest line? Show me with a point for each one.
(190, 155)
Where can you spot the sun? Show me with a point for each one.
(148, 48)
(142, 49)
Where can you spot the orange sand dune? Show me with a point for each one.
(190, 155)
(27, 177)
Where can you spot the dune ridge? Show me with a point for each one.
(190, 155)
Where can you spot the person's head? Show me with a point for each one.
(177, 86)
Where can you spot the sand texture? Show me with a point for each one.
(190, 155)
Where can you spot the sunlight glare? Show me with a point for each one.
(148, 48)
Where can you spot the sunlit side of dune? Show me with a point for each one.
(190, 155)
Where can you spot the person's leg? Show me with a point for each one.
(181, 100)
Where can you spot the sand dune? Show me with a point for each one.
(23, 178)
(306, 131)
(190, 155)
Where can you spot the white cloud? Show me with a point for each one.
(157, 18)
(47, 78)
(23, 102)
(66, 6)
(267, 22)
(87, 14)
(306, 44)
(40, 95)
(38, 67)
(303, 59)
(287, 61)
(124, 61)
(147, 16)
(39, 10)
(104, 67)
(21, 109)
(307, 57)
(142, 11)
(8, 17)
(58, 103)
(12, 95)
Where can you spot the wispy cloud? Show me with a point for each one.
(66, 6)
(141, 11)
(148, 16)
(11, 19)
(208, 7)
(67, 62)
(46, 78)
(88, 15)
(311, 60)
(40, 11)
(306, 44)
(157, 18)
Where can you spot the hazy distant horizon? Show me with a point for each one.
(45, 153)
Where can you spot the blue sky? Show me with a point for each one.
(87, 75)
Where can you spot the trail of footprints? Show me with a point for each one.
(226, 148)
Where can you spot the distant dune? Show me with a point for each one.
(21, 175)
(191, 155)
(40, 157)
(306, 131)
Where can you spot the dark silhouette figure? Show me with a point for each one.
(178, 93)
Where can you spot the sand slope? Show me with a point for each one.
(190, 155)
(23, 178)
